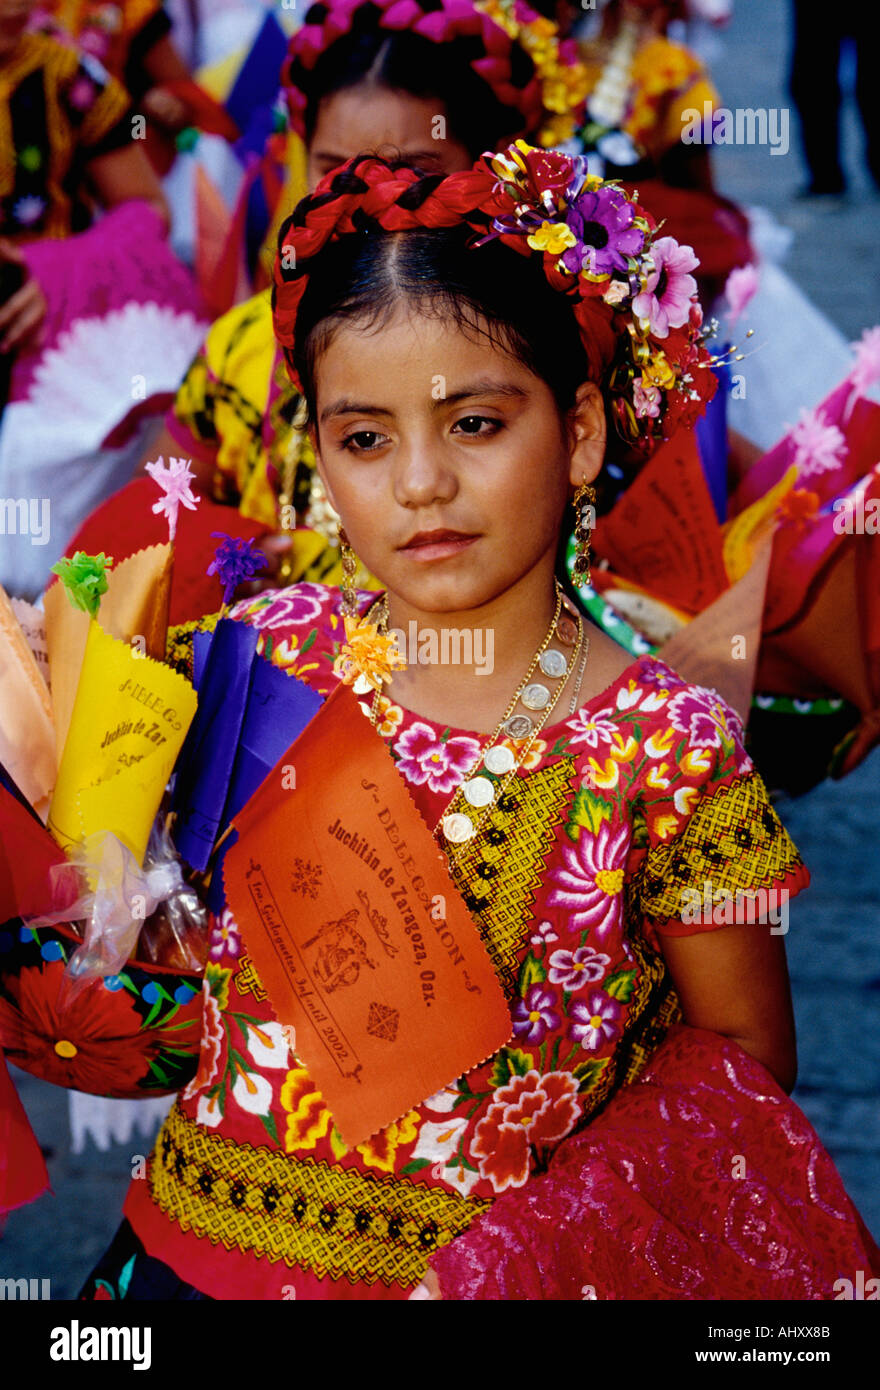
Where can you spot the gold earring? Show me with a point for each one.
(349, 570)
(585, 507)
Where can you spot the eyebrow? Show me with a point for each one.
(472, 391)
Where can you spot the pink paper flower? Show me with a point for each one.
(867, 355)
(175, 483)
(819, 447)
(647, 400)
(739, 289)
(666, 299)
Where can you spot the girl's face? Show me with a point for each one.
(372, 119)
(447, 459)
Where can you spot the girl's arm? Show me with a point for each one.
(734, 981)
(126, 174)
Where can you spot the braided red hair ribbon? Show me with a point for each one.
(556, 86)
(630, 290)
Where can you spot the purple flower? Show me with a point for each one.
(703, 716)
(534, 1015)
(666, 299)
(235, 561)
(574, 969)
(594, 1020)
(591, 883)
(226, 937)
(423, 757)
(602, 221)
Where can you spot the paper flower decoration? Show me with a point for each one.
(368, 656)
(819, 446)
(867, 353)
(739, 290)
(175, 483)
(235, 561)
(85, 579)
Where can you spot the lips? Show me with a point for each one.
(427, 538)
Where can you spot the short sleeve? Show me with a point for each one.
(717, 852)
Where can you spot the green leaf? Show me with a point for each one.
(559, 746)
(125, 1276)
(217, 978)
(268, 1123)
(415, 1166)
(589, 1073)
(459, 1161)
(268, 646)
(620, 985)
(509, 1062)
(531, 972)
(589, 811)
(309, 642)
(641, 839)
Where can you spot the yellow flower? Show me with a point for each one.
(658, 745)
(308, 1117)
(606, 776)
(533, 758)
(623, 752)
(683, 798)
(379, 1150)
(696, 761)
(659, 373)
(368, 654)
(389, 717)
(665, 826)
(656, 779)
(553, 237)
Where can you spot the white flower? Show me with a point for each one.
(209, 1111)
(443, 1101)
(253, 1092)
(267, 1045)
(438, 1143)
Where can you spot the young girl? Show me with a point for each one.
(461, 343)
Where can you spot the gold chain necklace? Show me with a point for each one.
(482, 792)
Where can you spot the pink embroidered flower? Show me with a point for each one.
(301, 603)
(594, 1020)
(535, 1015)
(225, 937)
(423, 757)
(666, 299)
(530, 1109)
(818, 446)
(574, 969)
(702, 715)
(211, 1043)
(544, 934)
(591, 884)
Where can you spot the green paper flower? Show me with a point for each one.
(85, 579)
(30, 158)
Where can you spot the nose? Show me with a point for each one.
(422, 477)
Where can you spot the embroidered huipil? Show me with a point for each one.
(642, 802)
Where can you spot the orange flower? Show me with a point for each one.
(368, 657)
(798, 507)
(378, 1151)
(308, 1117)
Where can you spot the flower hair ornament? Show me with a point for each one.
(548, 92)
(631, 289)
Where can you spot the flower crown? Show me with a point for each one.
(548, 99)
(631, 290)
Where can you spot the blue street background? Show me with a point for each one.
(833, 941)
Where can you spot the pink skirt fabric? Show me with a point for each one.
(702, 1180)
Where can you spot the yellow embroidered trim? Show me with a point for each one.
(247, 981)
(336, 1222)
(734, 840)
(498, 879)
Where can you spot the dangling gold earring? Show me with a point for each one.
(585, 507)
(349, 570)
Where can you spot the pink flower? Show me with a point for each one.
(530, 1109)
(647, 400)
(592, 729)
(867, 354)
(703, 716)
(175, 484)
(299, 604)
(574, 969)
(739, 290)
(535, 1015)
(226, 937)
(591, 884)
(666, 299)
(544, 934)
(82, 94)
(423, 757)
(819, 446)
(594, 1020)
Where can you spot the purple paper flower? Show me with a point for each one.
(534, 1015)
(602, 221)
(574, 969)
(594, 1020)
(235, 561)
(666, 299)
(423, 757)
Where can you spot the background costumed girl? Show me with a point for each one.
(574, 831)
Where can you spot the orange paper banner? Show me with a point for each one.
(356, 928)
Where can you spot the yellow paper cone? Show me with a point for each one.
(129, 721)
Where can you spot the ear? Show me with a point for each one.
(587, 433)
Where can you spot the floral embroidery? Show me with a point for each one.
(425, 758)
(225, 937)
(574, 969)
(534, 1015)
(591, 883)
(531, 1109)
(380, 1149)
(594, 1020)
(308, 1118)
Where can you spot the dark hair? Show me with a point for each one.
(487, 290)
(408, 63)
